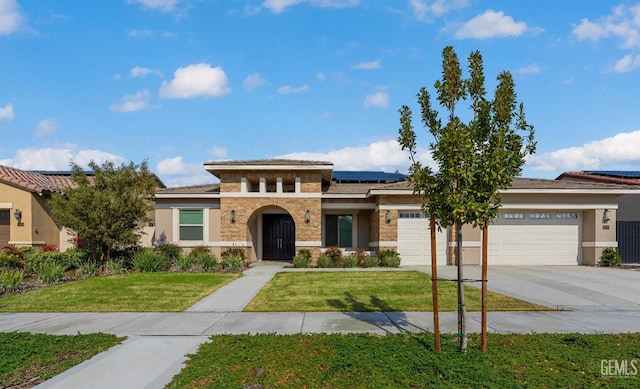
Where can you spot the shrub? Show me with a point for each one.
(10, 280)
(49, 248)
(207, 261)
(171, 251)
(387, 253)
(233, 263)
(66, 260)
(301, 260)
(148, 260)
(50, 272)
(11, 261)
(184, 262)
(114, 266)
(611, 257)
(335, 253)
(305, 253)
(350, 261)
(199, 250)
(390, 261)
(370, 261)
(233, 252)
(87, 270)
(324, 261)
(361, 254)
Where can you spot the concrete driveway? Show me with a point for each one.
(575, 288)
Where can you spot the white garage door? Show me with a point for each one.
(536, 238)
(414, 240)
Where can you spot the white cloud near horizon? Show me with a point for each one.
(377, 100)
(140, 72)
(6, 113)
(491, 24)
(620, 149)
(254, 81)
(131, 103)
(423, 9)
(372, 65)
(58, 158)
(193, 81)
(288, 89)
(10, 17)
(160, 5)
(46, 127)
(176, 172)
(279, 6)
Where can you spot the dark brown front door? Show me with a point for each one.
(5, 219)
(279, 237)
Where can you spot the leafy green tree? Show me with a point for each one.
(475, 160)
(107, 208)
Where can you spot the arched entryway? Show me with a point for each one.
(278, 236)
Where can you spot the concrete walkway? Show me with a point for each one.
(157, 343)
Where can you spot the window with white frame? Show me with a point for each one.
(339, 230)
(513, 215)
(191, 224)
(413, 215)
(540, 215)
(566, 215)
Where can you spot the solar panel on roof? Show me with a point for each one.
(616, 173)
(366, 176)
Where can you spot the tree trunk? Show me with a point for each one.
(434, 283)
(462, 310)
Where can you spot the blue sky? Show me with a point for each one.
(182, 82)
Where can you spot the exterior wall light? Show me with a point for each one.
(233, 216)
(387, 216)
(18, 215)
(307, 216)
(606, 216)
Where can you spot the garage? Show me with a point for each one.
(414, 240)
(536, 238)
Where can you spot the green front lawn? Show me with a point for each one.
(371, 291)
(138, 292)
(28, 359)
(409, 361)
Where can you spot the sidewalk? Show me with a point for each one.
(158, 343)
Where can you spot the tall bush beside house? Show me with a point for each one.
(611, 257)
(389, 258)
(10, 280)
(335, 253)
(171, 251)
(303, 259)
(323, 261)
(148, 260)
(349, 261)
(371, 261)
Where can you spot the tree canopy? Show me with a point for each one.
(107, 208)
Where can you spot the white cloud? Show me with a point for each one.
(422, 9)
(491, 24)
(160, 5)
(627, 63)
(253, 81)
(140, 33)
(620, 149)
(623, 24)
(278, 6)
(46, 127)
(176, 172)
(131, 103)
(367, 65)
(219, 152)
(533, 68)
(139, 72)
(377, 100)
(6, 112)
(384, 155)
(288, 89)
(199, 80)
(58, 158)
(10, 17)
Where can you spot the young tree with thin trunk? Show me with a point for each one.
(475, 160)
(107, 208)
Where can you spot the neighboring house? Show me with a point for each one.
(628, 215)
(273, 208)
(24, 216)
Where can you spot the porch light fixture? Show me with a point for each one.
(387, 217)
(307, 216)
(18, 215)
(233, 216)
(606, 216)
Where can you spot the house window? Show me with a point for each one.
(540, 215)
(191, 224)
(413, 215)
(338, 230)
(513, 215)
(566, 215)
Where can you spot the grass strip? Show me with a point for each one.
(29, 359)
(409, 361)
(371, 291)
(137, 292)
